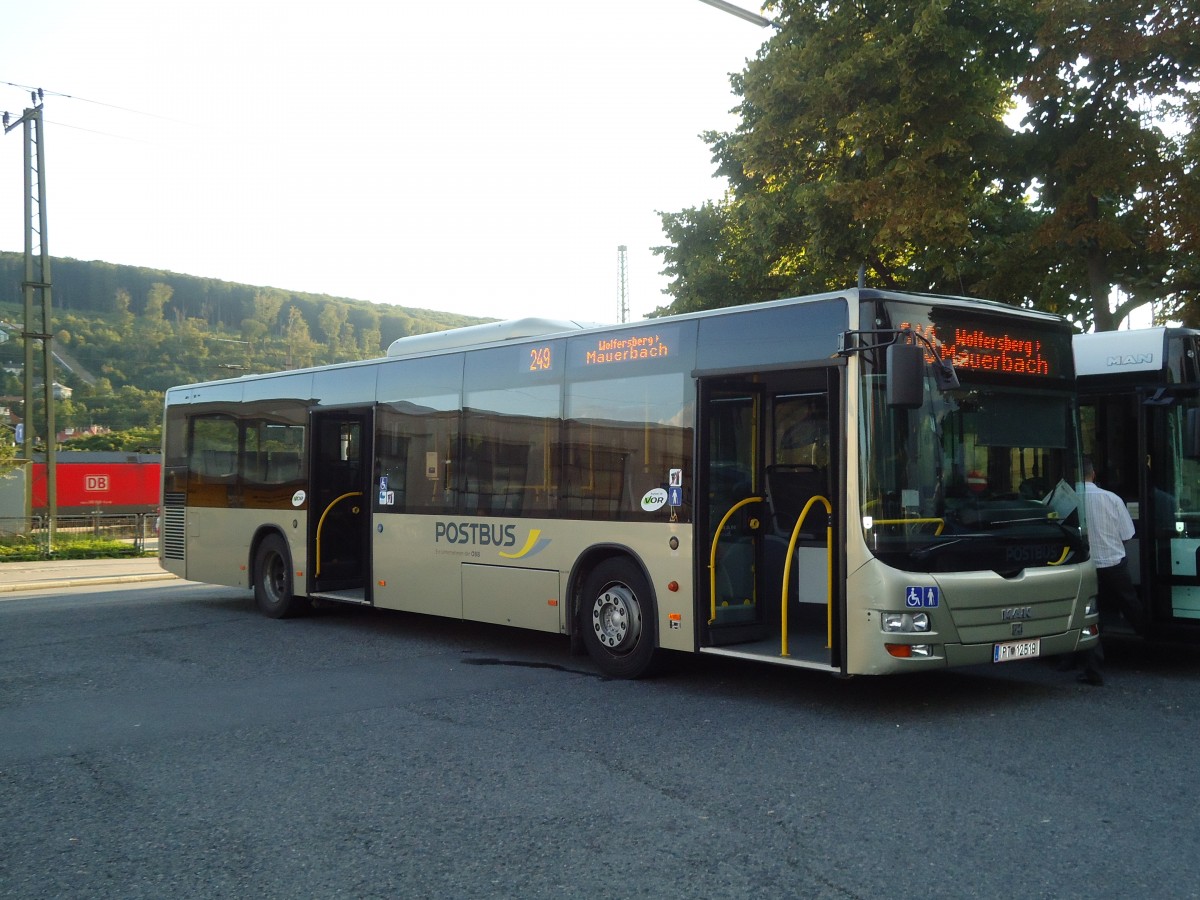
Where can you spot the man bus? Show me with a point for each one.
(854, 482)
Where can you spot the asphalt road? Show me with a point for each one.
(164, 740)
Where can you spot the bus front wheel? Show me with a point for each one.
(273, 591)
(617, 619)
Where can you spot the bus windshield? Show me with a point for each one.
(981, 477)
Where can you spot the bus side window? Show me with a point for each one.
(282, 466)
(220, 463)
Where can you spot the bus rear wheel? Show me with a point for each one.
(273, 591)
(617, 619)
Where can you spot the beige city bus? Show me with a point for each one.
(859, 482)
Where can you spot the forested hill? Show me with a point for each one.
(131, 332)
(85, 288)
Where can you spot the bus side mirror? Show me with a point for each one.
(905, 375)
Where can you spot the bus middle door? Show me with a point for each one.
(339, 522)
(732, 512)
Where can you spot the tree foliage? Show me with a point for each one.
(1112, 112)
(124, 335)
(880, 135)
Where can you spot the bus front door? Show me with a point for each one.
(767, 470)
(339, 520)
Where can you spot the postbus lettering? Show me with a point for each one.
(1032, 553)
(482, 534)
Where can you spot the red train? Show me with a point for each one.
(88, 482)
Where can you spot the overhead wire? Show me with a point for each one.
(39, 93)
(128, 109)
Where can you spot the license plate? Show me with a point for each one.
(1011, 650)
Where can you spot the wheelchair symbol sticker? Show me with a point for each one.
(918, 597)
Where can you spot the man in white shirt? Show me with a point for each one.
(1109, 527)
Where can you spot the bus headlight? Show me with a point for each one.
(1090, 609)
(905, 623)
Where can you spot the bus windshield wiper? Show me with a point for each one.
(930, 549)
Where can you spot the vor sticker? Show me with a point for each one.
(654, 500)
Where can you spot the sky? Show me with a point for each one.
(479, 157)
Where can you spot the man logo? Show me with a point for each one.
(1131, 359)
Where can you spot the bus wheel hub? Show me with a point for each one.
(617, 618)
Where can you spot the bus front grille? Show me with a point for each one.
(1037, 618)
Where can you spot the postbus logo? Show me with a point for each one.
(489, 534)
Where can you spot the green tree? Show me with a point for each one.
(8, 449)
(129, 407)
(871, 135)
(301, 349)
(152, 327)
(267, 304)
(331, 319)
(122, 306)
(156, 301)
(876, 134)
(133, 440)
(1112, 97)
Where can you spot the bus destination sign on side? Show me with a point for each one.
(614, 349)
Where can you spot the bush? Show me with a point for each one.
(21, 548)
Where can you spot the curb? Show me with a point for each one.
(51, 583)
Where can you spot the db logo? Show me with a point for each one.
(95, 482)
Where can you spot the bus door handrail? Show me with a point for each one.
(321, 523)
(712, 556)
(787, 572)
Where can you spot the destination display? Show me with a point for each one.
(614, 349)
(986, 346)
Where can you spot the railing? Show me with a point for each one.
(712, 556)
(138, 530)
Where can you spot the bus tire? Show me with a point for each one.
(273, 589)
(618, 620)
